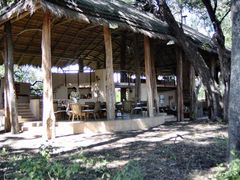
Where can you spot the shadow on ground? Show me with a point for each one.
(172, 151)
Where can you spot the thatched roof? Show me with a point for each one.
(77, 31)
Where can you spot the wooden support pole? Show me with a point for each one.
(137, 72)
(180, 113)
(80, 69)
(148, 73)
(110, 89)
(10, 93)
(154, 81)
(123, 74)
(48, 111)
(193, 97)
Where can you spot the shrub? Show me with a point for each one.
(231, 172)
(42, 166)
(130, 171)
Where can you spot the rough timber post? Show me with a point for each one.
(179, 56)
(148, 73)
(80, 69)
(123, 47)
(10, 93)
(193, 98)
(48, 111)
(138, 73)
(154, 80)
(110, 89)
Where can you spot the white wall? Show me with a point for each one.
(61, 93)
(35, 108)
(99, 87)
(61, 83)
(169, 98)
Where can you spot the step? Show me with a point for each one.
(31, 126)
(28, 117)
(23, 120)
(23, 104)
(170, 118)
(25, 113)
(24, 109)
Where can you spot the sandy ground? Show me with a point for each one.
(186, 150)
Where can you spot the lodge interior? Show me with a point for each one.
(82, 43)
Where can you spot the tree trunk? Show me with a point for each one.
(193, 103)
(225, 62)
(148, 73)
(195, 58)
(154, 80)
(6, 106)
(180, 104)
(10, 89)
(234, 98)
(110, 90)
(48, 111)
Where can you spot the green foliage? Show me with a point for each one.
(130, 171)
(1, 71)
(43, 166)
(4, 151)
(232, 172)
(128, 1)
(221, 141)
(6, 2)
(201, 95)
(27, 74)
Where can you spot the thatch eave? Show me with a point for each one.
(72, 23)
(16, 11)
(144, 23)
(133, 19)
(76, 11)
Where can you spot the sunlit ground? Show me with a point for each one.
(173, 151)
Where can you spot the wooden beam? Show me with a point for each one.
(28, 46)
(148, 72)
(179, 56)
(48, 111)
(110, 89)
(61, 37)
(74, 39)
(77, 54)
(9, 78)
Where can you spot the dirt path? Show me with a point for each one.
(173, 151)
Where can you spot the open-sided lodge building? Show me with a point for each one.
(108, 36)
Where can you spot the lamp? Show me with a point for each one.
(171, 42)
(97, 78)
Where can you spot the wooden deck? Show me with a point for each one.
(101, 126)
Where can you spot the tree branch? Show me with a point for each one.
(229, 10)
(215, 6)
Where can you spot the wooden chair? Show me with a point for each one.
(76, 111)
(127, 106)
(94, 112)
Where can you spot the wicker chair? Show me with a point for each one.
(95, 112)
(76, 111)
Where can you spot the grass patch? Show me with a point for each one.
(42, 166)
